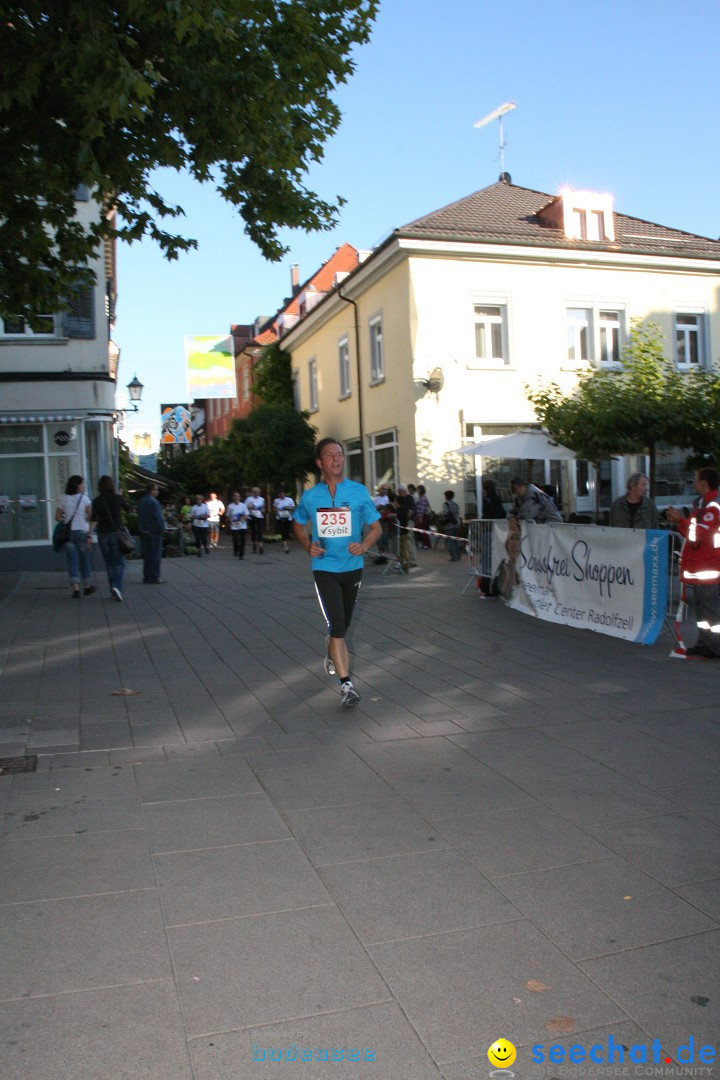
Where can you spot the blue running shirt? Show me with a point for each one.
(337, 522)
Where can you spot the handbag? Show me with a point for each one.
(125, 540)
(61, 535)
(61, 532)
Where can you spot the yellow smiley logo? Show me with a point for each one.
(501, 1053)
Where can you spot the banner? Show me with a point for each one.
(612, 581)
(175, 424)
(210, 363)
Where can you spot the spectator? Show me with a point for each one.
(635, 510)
(450, 524)
(532, 504)
(700, 561)
(151, 526)
(422, 518)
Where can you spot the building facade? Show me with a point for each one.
(57, 410)
(431, 342)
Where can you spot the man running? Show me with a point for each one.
(337, 510)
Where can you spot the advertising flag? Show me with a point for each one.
(210, 363)
(175, 424)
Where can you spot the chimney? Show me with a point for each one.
(295, 278)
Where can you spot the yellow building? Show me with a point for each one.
(432, 340)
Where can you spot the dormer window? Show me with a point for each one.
(582, 215)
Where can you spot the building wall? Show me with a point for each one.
(427, 305)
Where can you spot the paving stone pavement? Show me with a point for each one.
(515, 834)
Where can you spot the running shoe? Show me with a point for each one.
(349, 695)
(328, 663)
(117, 594)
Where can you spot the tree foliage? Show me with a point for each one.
(644, 403)
(272, 377)
(236, 92)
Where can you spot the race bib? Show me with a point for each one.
(332, 522)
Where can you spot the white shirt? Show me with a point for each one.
(284, 507)
(256, 505)
(200, 515)
(215, 509)
(74, 508)
(237, 513)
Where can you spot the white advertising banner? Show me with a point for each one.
(210, 365)
(612, 581)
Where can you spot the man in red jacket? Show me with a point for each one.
(700, 561)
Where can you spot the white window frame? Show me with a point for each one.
(312, 385)
(690, 333)
(27, 330)
(377, 349)
(489, 321)
(344, 367)
(383, 440)
(587, 322)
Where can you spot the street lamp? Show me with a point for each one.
(135, 389)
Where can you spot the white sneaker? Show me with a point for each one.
(117, 594)
(349, 695)
(328, 662)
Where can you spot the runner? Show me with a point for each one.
(337, 510)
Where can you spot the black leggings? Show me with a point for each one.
(256, 530)
(201, 536)
(337, 594)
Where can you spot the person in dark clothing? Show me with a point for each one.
(151, 525)
(492, 510)
(106, 519)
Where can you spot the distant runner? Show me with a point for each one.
(337, 510)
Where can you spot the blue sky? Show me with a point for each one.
(612, 95)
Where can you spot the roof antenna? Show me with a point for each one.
(497, 114)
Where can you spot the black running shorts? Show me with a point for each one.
(337, 594)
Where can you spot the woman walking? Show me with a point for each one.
(106, 519)
(75, 508)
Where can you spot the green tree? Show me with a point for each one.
(646, 402)
(272, 377)
(275, 445)
(236, 92)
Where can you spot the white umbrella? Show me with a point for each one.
(529, 445)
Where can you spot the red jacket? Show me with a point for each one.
(700, 557)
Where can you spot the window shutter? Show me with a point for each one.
(79, 320)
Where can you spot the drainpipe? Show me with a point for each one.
(359, 382)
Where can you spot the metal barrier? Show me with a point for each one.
(478, 546)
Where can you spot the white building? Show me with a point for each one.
(57, 403)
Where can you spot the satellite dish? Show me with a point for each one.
(435, 381)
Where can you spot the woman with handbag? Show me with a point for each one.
(106, 517)
(74, 510)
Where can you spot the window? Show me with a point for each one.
(610, 327)
(296, 389)
(16, 326)
(689, 343)
(353, 460)
(579, 334)
(312, 384)
(383, 458)
(377, 350)
(490, 333)
(344, 363)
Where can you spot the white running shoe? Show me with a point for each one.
(349, 695)
(328, 662)
(117, 594)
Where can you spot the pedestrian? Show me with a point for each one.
(422, 518)
(199, 517)
(74, 507)
(151, 526)
(635, 510)
(406, 500)
(186, 520)
(216, 509)
(402, 524)
(106, 518)
(532, 504)
(450, 524)
(337, 511)
(492, 510)
(256, 505)
(283, 506)
(237, 515)
(700, 560)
